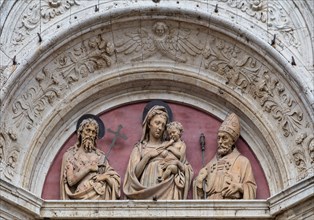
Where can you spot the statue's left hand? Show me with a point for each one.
(101, 177)
(231, 188)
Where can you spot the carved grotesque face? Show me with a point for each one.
(225, 143)
(89, 134)
(157, 126)
(174, 134)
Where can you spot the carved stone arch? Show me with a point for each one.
(274, 101)
(213, 55)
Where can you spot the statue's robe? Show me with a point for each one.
(234, 167)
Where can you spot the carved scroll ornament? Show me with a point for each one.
(34, 13)
(252, 77)
(241, 72)
(9, 154)
(271, 13)
(66, 70)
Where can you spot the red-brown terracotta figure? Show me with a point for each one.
(229, 174)
(85, 172)
(143, 179)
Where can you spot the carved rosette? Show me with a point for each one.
(57, 78)
(9, 154)
(53, 8)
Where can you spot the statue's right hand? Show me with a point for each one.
(202, 174)
(152, 153)
(93, 167)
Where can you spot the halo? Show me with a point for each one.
(160, 103)
(101, 125)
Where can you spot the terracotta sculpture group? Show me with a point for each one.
(157, 167)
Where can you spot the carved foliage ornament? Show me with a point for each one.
(37, 11)
(252, 77)
(9, 154)
(56, 78)
(270, 12)
(300, 158)
(240, 70)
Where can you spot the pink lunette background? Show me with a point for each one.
(129, 116)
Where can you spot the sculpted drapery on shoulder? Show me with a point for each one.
(154, 171)
(228, 175)
(85, 171)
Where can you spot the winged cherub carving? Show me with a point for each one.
(172, 43)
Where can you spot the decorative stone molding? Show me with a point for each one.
(9, 154)
(54, 79)
(271, 13)
(34, 12)
(21, 204)
(239, 68)
(221, 60)
(252, 77)
(53, 8)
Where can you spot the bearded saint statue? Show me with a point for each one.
(85, 172)
(229, 174)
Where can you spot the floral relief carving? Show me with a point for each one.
(310, 149)
(53, 8)
(28, 21)
(300, 162)
(170, 42)
(93, 54)
(57, 77)
(252, 77)
(240, 70)
(35, 13)
(9, 154)
(271, 13)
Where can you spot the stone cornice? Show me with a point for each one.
(291, 196)
(30, 205)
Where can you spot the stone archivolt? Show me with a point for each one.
(241, 71)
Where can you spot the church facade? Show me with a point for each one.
(61, 59)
